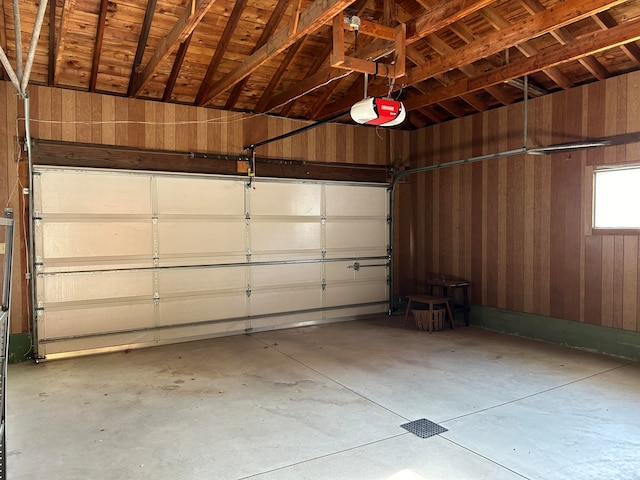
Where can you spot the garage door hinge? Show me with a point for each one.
(247, 218)
(324, 284)
(248, 290)
(323, 219)
(248, 255)
(324, 252)
(388, 219)
(156, 298)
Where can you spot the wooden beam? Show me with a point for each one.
(218, 55)
(442, 15)
(586, 45)
(3, 33)
(97, 46)
(175, 70)
(67, 10)
(51, 152)
(142, 43)
(269, 28)
(51, 66)
(527, 48)
(183, 27)
(631, 50)
(560, 15)
(277, 77)
(564, 36)
(313, 17)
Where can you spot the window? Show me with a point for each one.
(616, 198)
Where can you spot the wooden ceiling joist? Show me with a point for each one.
(186, 23)
(175, 70)
(587, 45)
(314, 17)
(142, 42)
(67, 9)
(97, 46)
(631, 50)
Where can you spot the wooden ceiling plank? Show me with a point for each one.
(277, 77)
(527, 49)
(269, 28)
(183, 27)
(631, 50)
(218, 55)
(175, 70)
(97, 46)
(564, 36)
(142, 42)
(320, 60)
(67, 9)
(313, 17)
(586, 45)
(561, 14)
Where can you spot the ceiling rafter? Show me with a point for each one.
(3, 35)
(586, 45)
(436, 18)
(313, 17)
(67, 10)
(527, 48)
(51, 65)
(631, 50)
(97, 46)
(175, 69)
(186, 23)
(266, 34)
(223, 44)
(495, 42)
(564, 36)
(142, 42)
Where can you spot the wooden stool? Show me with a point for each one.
(431, 301)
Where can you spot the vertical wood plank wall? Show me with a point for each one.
(92, 118)
(519, 227)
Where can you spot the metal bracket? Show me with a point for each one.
(248, 291)
(324, 284)
(355, 266)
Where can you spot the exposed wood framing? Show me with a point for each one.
(183, 27)
(97, 48)
(3, 34)
(142, 43)
(175, 70)
(269, 28)
(51, 68)
(311, 19)
(587, 45)
(631, 50)
(232, 23)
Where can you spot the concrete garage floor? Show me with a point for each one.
(327, 402)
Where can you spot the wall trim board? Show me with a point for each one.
(610, 341)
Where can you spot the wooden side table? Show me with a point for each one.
(446, 285)
(431, 301)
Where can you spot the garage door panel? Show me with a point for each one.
(204, 196)
(97, 245)
(288, 320)
(358, 238)
(201, 242)
(286, 199)
(81, 193)
(278, 239)
(198, 309)
(350, 200)
(96, 319)
(87, 345)
(270, 301)
(354, 293)
(287, 274)
(201, 280)
(90, 286)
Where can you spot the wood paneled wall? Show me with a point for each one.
(519, 227)
(75, 116)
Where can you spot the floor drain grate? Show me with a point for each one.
(424, 428)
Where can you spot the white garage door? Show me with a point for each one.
(131, 259)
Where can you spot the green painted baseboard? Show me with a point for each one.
(611, 341)
(19, 347)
